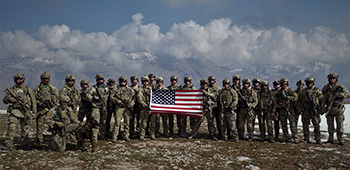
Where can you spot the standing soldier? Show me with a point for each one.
(99, 94)
(135, 115)
(173, 86)
(257, 110)
(312, 106)
(208, 103)
(284, 97)
(85, 99)
(70, 90)
(296, 106)
(152, 80)
(228, 100)
(236, 85)
(110, 107)
(274, 113)
(215, 110)
(47, 97)
(265, 106)
(183, 119)
(143, 98)
(155, 117)
(334, 94)
(22, 102)
(248, 100)
(123, 98)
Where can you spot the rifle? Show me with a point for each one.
(245, 101)
(124, 102)
(48, 104)
(333, 98)
(59, 118)
(101, 99)
(21, 101)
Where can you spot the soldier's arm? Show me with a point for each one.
(32, 100)
(55, 96)
(255, 99)
(140, 98)
(344, 92)
(293, 96)
(9, 98)
(234, 99)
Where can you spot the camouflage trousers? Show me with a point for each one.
(245, 118)
(58, 141)
(11, 130)
(285, 116)
(144, 115)
(229, 124)
(265, 122)
(154, 124)
(198, 122)
(100, 116)
(182, 121)
(168, 124)
(315, 119)
(336, 114)
(121, 112)
(134, 121)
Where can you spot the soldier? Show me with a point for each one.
(265, 107)
(47, 97)
(152, 78)
(123, 98)
(274, 114)
(173, 86)
(236, 83)
(208, 102)
(334, 95)
(155, 117)
(215, 110)
(228, 100)
(99, 93)
(187, 86)
(247, 100)
(70, 90)
(110, 107)
(22, 103)
(312, 101)
(85, 98)
(61, 121)
(257, 110)
(143, 97)
(284, 97)
(296, 106)
(135, 115)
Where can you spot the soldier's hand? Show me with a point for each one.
(339, 96)
(130, 105)
(12, 100)
(60, 124)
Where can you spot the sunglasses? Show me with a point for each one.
(19, 78)
(84, 84)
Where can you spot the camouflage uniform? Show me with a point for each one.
(155, 117)
(85, 99)
(123, 98)
(334, 95)
(61, 122)
(47, 97)
(99, 93)
(143, 97)
(152, 84)
(274, 113)
(312, 105)
(110, 107)
(171, 116)
(296, 106)
(237, 87)
(72, 92)
(228, 100)
(183, 119)
(17, 111)
(256, 87)
(265, 106)
(135, 115)
(215, 110)
(284, 98)
(247, 100)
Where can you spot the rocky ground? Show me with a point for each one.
(179, 153)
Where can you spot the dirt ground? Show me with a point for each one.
(177, 154)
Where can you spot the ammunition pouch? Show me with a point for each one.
(17, 113)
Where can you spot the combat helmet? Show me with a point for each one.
(45, 75)
(333, 75)
(99, 76)
(236, 77)
(159, 79)
(264, 83)
(256, 80)
(246, 81)
(144, 78)
(151, 75)
(64, 98)
(204, 81)
(82, 82)
(309, 80)
(226, 81)
(134, 77)
(19, 76)
(110, 81)
(122, 78)
(70, 77)
(211, 78)
(275, 83)
(174, 77)
(300, 82)
(188, 78)
(284, 80)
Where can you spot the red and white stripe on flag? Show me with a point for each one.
(180, 102)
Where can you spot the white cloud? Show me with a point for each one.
(218, 41)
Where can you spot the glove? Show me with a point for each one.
(12, 100)
(339, 96)
(60, 124)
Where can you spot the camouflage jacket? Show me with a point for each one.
(227, 98)
(284, 98)
(209, 98)
(265, 100)
(123, 97)
(311, 99)
(99, 94)
(215, 90)
(144, 96)
(335, 94)
(46, 93)
(251, 98)
(73, 94)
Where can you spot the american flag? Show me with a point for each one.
(181, 102)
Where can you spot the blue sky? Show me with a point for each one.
(109, 15)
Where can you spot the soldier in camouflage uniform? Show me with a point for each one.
(265, 107)
(215, 110)
(274, 113)
(296, 106)
(70, 90)
(312, 106)
(236, 85)
(173, 86)
(155, 117)
(183, 119)
(85, 99)
(99, 93)
(208, 102)
(228, 100)
(334, 95)
(15, 95)
(143, 97)
(110, 107)
(123, 97)
(135, 115)
(61, 121)
(284, 97)
(152, 84)
(257, 111)
(247, 100)
(47, 97)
